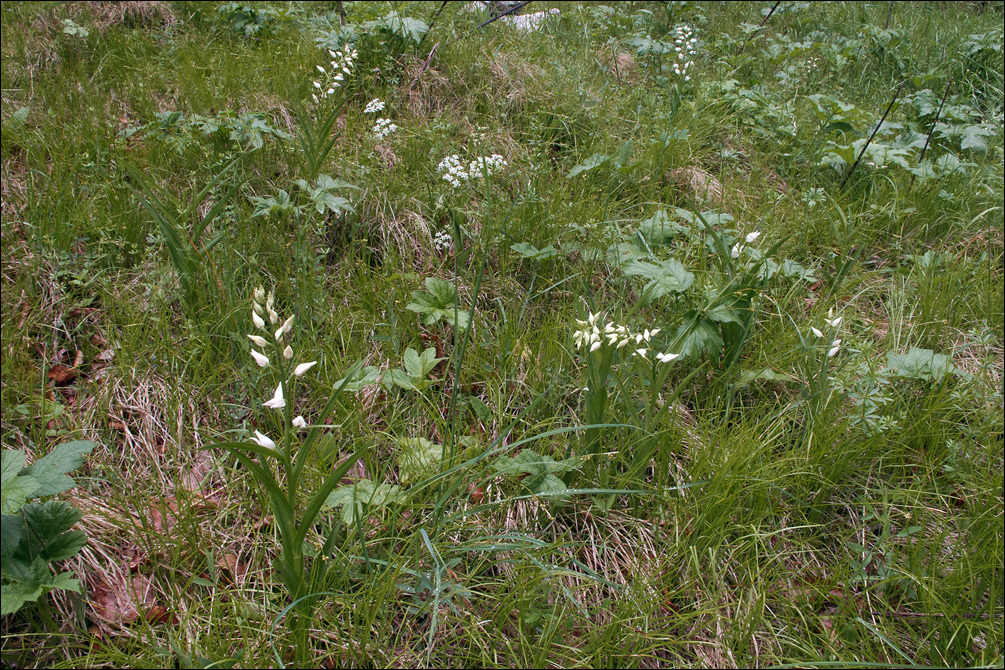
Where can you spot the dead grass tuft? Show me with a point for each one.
(697, 184)
(132, 14)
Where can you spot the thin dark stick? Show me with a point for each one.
(888, 15)
(932, 129)
(765, 19)
(432, 23)
(878, 126)
(759, 26)
(506, 13)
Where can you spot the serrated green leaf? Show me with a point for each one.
(46, 520)
(11, 464)
(444, 293)
(14, 596)
(11, 533)
(666, 277)
(65, 545)
(15, 492)
(703, 335)
(50, 470)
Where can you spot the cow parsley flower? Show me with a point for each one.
(374, 106)
(383, 128)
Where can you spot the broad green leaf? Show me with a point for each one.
(922, 364)
(703, 335)
(659, 229)
(50, 470)
(47, 520)
(15, 489)
(419, 365)
(539, 471)
(355, 498)
(364, 377)
(417, 459)
(665, 277)
(11, 533)
(14, 596)
(401, 379)
(764, 374)
(594, 161)
(11, 464)
(530, 252)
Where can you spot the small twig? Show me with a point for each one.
(932, 129)
(888, 15)
(768, 16)
(432, 23)
(506, 13)
(341, 14)
(759, 26)
(425, 65)
(896, 94)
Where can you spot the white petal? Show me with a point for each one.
(288, 352)
(288, 324)
(257, 320)
(260, 341)
(595, 346)
(273, 317)
(303, 367)
(277, 402)
(263, 441)
(263, 361)
(833, 351)
(816, 331)
(752, 236)
(299, 422)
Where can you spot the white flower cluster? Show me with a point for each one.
(374, 106)
(685, 46)
(258, 316)
(591, 336)
(832, 324)
(442, 242)
(341, 63)
(737, 248)
(455, 172)
(383, 128)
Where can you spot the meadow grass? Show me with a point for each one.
(797, 501)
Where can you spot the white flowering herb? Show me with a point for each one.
(455, 172)
(374, 106)
(383, 128)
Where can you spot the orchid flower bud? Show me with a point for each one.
(263, 441)
(288, 352)
(299, 422)
(262, 360)
(288, 324)
(260, 341)
(257, 320)
(277, 402)
(303, 367)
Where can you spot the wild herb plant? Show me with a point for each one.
(39, 533)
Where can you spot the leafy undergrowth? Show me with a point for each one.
(654, 334)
